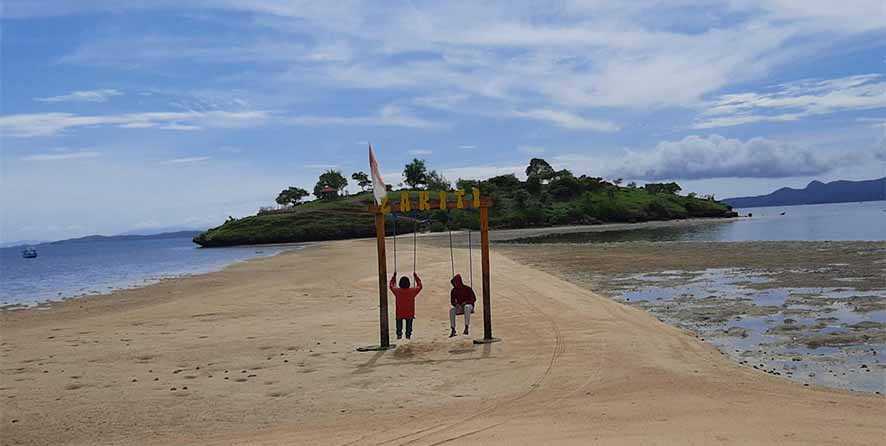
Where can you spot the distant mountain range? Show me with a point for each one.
(164, 235)
(21, 243)
(162, 230)
(89, 238)
(817, 193)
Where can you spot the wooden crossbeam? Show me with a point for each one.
(393, 206)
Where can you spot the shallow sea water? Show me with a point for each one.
(772, 331)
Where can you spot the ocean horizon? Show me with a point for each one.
(82, 267)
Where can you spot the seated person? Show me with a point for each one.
(462, 299)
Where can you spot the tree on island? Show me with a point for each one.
(467, 185)
(330, 185)
(540, 169)
(362, 180)
(436, 181)
(537, 174)
(415, 174)
(291, 196)
(663, 188)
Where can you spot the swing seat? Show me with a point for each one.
(460, 310)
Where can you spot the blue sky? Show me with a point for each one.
(117, 116)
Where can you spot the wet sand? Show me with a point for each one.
(813, 312)
(263, 353)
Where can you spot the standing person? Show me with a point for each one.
(405, 302)
(462, 299)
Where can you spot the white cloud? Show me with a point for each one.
(577, 56)
(467, 147)
(796, 100)
(531, 150)
(46, 124)
(699, 157)
(61, 156)
(482, 172)
(187, 160)
(83, 96)
(441, 101)
(388, 116)
(567, 120)
(420, 152)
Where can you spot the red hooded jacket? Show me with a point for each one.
(461, 294)
(405, 297)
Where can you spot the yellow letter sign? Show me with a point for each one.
(459, 199)
(405, 203)
(424, 198)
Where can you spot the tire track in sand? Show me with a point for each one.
(557, 351)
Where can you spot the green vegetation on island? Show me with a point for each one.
(547, 197)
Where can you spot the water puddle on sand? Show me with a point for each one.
(833, 337)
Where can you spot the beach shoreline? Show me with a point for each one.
(149, 366)
(106, 289)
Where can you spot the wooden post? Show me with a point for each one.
(384, 336)
(484, 249)
(384, 340)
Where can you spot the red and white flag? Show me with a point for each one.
(378, 184)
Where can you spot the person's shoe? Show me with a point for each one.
(400, 336)
(466, 330)
(452, 333)
(408, 336)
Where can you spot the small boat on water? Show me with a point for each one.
(29, 253)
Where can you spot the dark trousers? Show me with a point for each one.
(408, 326)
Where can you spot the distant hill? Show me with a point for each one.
(165, 235)
(21, 243)
(817, 193)
(162, 230)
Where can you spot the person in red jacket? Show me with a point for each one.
(462, 299)
(405, 302)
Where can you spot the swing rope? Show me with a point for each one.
(394, 217)
(470, 258)
(414, 239)
(451, 253)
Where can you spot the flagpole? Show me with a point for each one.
(379, 192)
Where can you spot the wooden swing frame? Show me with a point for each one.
(482, 204)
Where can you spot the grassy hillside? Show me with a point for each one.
(565, 200)
(314, 221)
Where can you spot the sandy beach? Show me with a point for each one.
(263, 353)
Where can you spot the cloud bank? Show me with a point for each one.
(83, 96)
(796, 100)
(714, 156)
(47, 124)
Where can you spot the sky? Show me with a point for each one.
(121, 116)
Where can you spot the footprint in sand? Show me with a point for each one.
(277, 394)
(74, 386)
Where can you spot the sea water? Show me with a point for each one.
(818, 222)
(80, 267)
